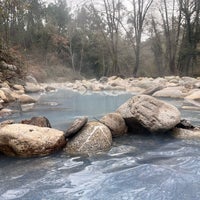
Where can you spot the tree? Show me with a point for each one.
(136, 19)
(157, 47)
(108, 20)
(189, 52)
(58, 15)
(12, 21)
(166, 36)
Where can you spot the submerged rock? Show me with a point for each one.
(24, 140)
(94, 137)
(50, 89)
(153, 114)
(185, 124)
(115, 123)
(37, 121)
(76, 126)
(181, 133)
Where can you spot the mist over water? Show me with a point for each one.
(136, 167)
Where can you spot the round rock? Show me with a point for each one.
(94, 137)
(115, 123)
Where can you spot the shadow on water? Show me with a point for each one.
(136, 167)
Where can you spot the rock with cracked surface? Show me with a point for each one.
(22, 140)
(94, 137)
(152, 114)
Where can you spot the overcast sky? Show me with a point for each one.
(70, 3)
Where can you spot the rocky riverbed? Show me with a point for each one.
(141, 114)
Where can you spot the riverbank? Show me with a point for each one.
(186, 88)
(141, 114)
(15, 97)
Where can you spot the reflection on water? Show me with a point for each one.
(136, 168)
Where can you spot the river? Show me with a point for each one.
(136, 167)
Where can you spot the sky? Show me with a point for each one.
(71, 3)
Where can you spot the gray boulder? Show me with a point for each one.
(115, 123)
(152, 114)
(24, 140)
(94, 137)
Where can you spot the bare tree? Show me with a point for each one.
(189, 52)
(137, 19)
(108, 20)
(171, 26)
(157, 46)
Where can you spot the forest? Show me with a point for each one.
(105, 37)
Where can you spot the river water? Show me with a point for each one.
(136, 167)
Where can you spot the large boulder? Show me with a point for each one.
(24, 140)
(94, 137)
(153, 114)
(115, 123)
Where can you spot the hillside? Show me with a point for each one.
(16, 64)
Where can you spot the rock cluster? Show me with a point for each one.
(34, 137)
(174, 86)
(140, 114)
(15, 97)
(186, 88)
